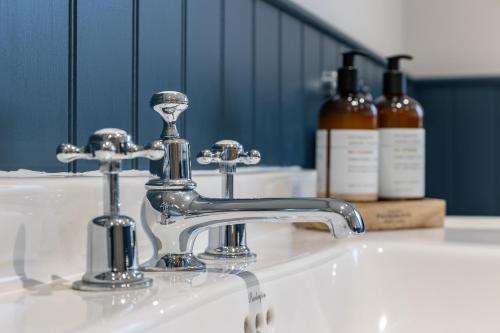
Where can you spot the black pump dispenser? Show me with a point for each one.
(347, 80)
(394, 79)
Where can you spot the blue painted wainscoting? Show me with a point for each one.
(251, 69)
(462, 118)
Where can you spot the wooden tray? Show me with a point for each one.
(391, 215)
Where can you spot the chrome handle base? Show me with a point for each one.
(174, 262)
(112, 258)
(118, 268)
(228, 242)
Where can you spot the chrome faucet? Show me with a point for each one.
(228, 241)
(112, 247)
(174, 214)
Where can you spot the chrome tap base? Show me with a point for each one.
(174, 262)
(112, 254)
(228, 242)
(114, 281)
(228, 252)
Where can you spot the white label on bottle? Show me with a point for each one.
(321, 159)
(353, 161)
(402, 162)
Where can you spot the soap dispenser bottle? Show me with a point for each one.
(402, 137)
(347, 140)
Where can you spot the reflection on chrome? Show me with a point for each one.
(173, 220)
(173, 213)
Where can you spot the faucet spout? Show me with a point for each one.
(173, 213)
(173, 219)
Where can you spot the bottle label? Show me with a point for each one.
(402, 163)
(321, 162)
(353, 162)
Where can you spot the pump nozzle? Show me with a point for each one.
(348, 57)
(394, 79)
(393, 62)
(347, 78)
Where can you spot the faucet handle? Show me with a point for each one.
(228, 153)
(169, 105)
(110, 145)
(112, 258)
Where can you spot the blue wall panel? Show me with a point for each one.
(251, 69)
(292, 97)
(438, 112)
(330, 53)
(374, 81)
(246, 66)
(268, 135)
(33, 83)
(364, 71)
(104, 69)
(312, 92)
(474, 151)
(461, 120)
(238, 103)
(204, 73)
(160, 61)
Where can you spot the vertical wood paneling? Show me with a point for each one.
(204, 73)
(268, 135)
(250, 70)
(438, 112)
(160, 61)
(375, 78)
(104, 81)
(238, 72)
(462, 154)
(292, 97)
(135, 75)
(411, 87)
(312, 92)
(33, 83)
(330, 53)
(72, 73)
(496, 161)
(364, 71)
(474, 150)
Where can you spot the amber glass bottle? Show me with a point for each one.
(402, 138)
(347, 140)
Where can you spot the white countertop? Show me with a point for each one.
(304, 279)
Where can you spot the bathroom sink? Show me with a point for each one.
(400, 281)
(390, 285)
(430, 280)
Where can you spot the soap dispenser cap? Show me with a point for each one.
(347, 75)
(394, 79)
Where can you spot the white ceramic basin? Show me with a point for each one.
(386, 284)
(406, 281)
(435, 280)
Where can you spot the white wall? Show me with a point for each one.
(453, 37)
(374, 23)
(448, 38)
